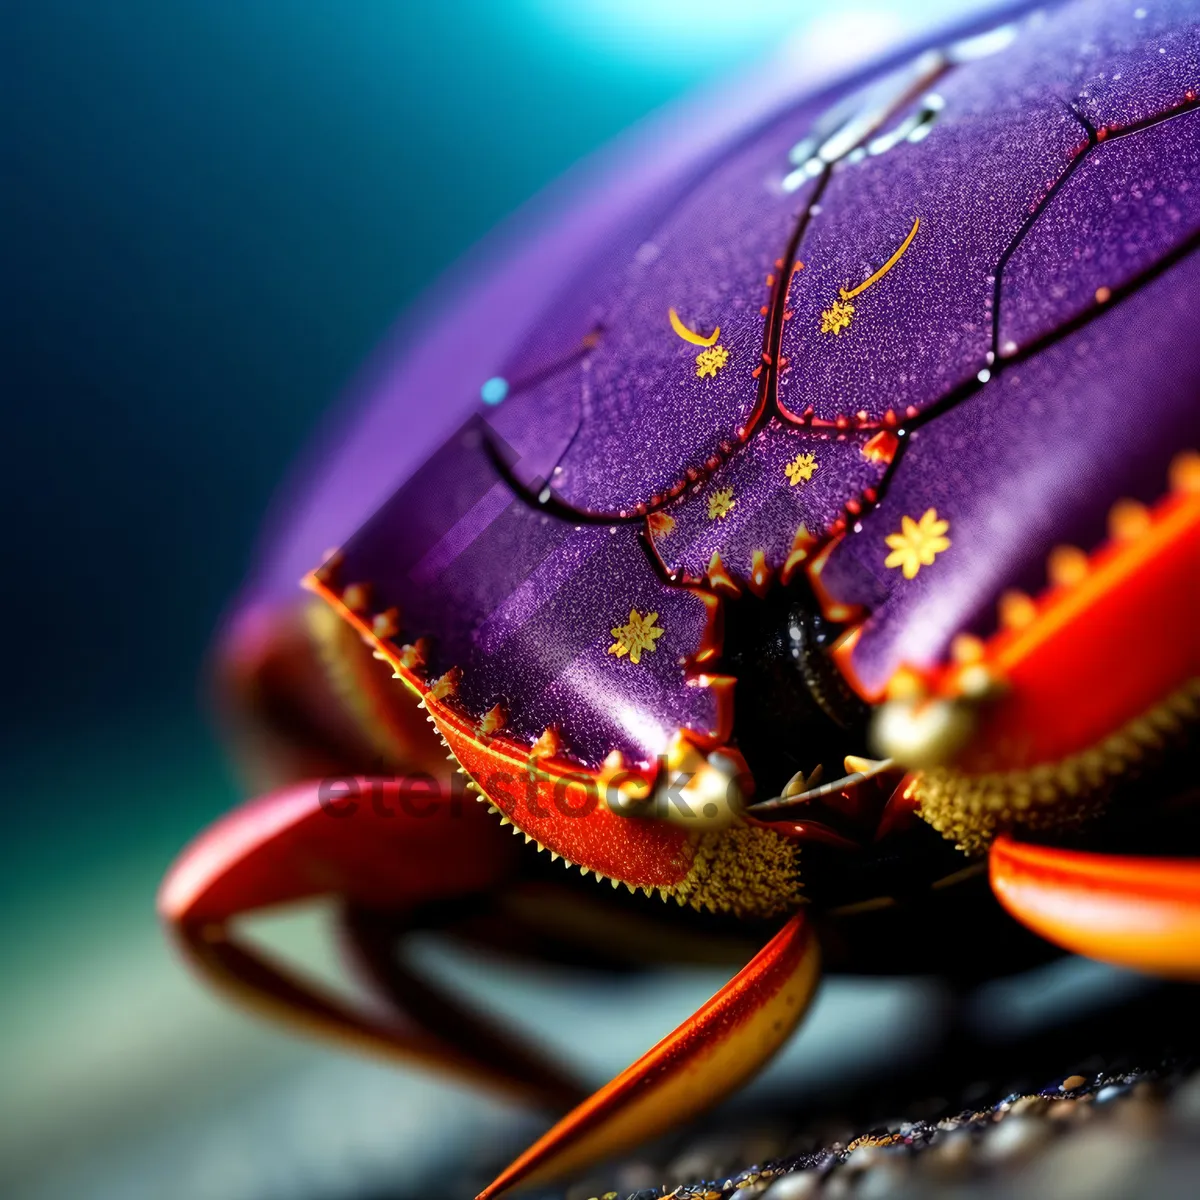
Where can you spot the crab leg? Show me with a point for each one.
(381, 848)
(1142, 913)
(712, 1053)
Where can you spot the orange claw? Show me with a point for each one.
(1142, 913)
(1061, 691)
(706, 1058)
(380, 847)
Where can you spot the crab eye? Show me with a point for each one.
(794, 711)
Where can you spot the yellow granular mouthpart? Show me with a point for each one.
(970, 810)
(744, 870)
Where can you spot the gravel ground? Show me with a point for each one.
(1107, 1107)
(1069, 1081)
(1108, 1134)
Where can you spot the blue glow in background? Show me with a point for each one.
(211, 213)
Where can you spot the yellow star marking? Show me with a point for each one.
(638, 634)
(690, 335)
(801, 468)
(840, 313)
(837, 317)
(709, 362)
(720, 502)
(918, 543)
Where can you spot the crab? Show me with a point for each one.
(824, 544)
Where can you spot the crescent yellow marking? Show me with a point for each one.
(690, 335)
(887, 266)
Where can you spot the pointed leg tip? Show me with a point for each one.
(710, 1055)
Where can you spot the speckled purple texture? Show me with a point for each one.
(768, 508)
(1117, 62)
(648, 416)
(926, 326)
(645, 416)
(1005, 136)
(1034, 459)
(1130, 202)
(1013, 182)
(524, 604)
(537, 421)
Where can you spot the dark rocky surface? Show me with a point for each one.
(1107, 1106)
(892, 1089)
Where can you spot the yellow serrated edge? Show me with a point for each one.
(970, 810)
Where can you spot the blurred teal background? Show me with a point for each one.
(212, 212)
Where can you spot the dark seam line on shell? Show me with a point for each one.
(998, 365)
(966, 390)
(1094, 141)
(1028, 223)
(1073, 108)
(773, 372)
(657, 563)
(1115, 133)
(560, 508)
(952, 399)
(775, 323)
(542, 373)
(766, 405)
(579, 354)
(583, 353)
(551, 505)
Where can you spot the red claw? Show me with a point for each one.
(381, 849)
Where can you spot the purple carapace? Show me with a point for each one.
(994, 196)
